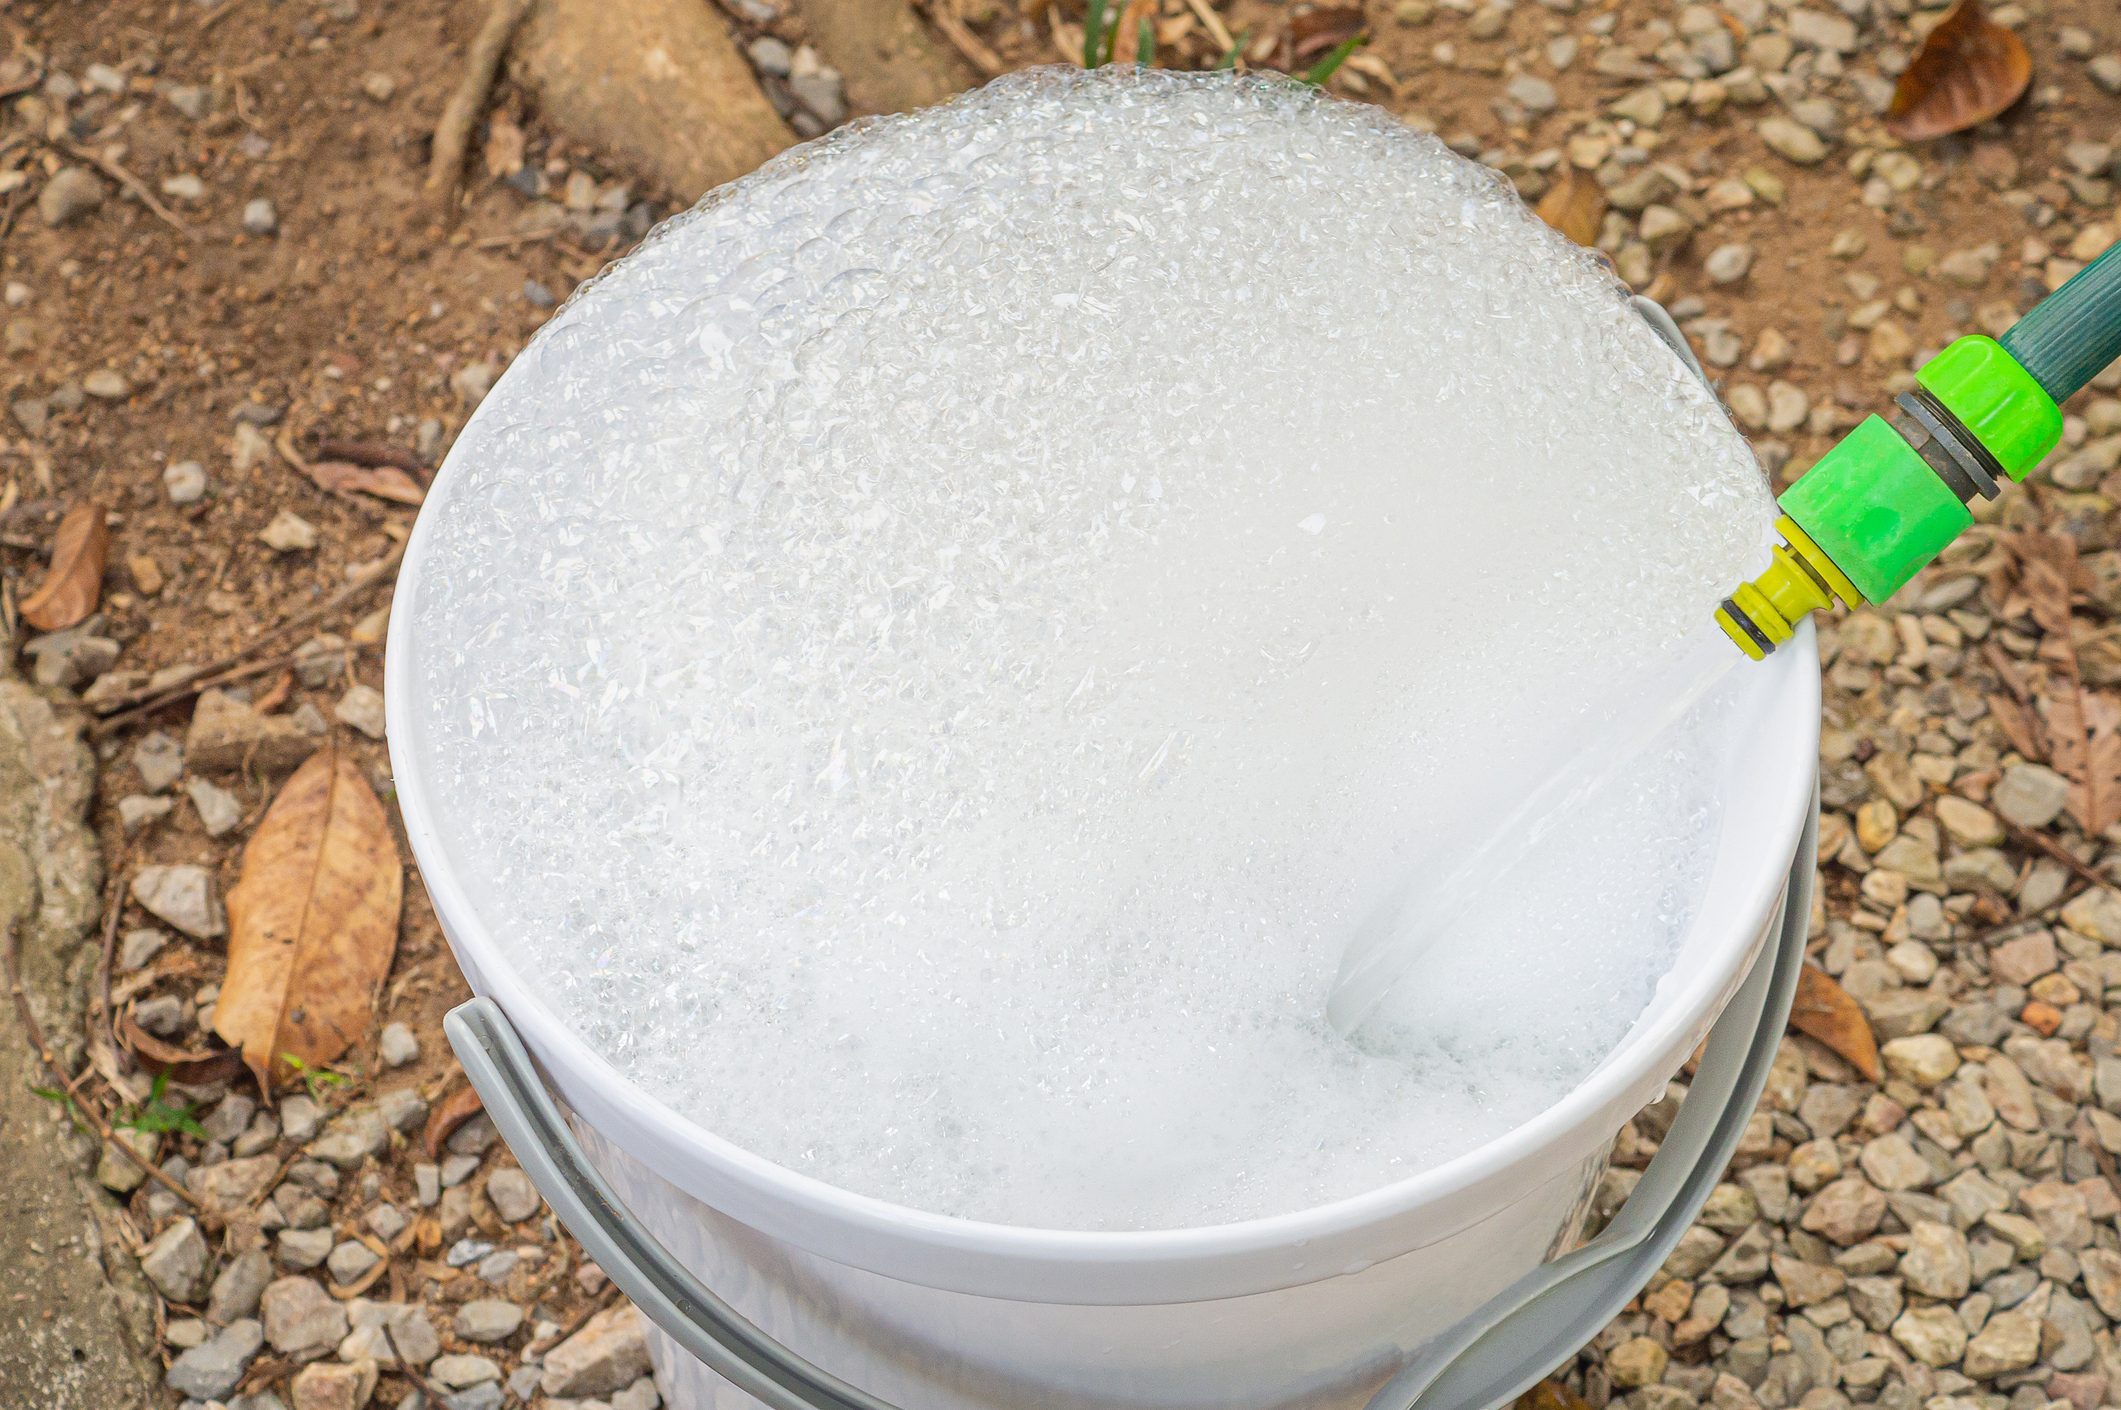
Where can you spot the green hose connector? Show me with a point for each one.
(2008, 412)
(1876, 509)
(1883, 503)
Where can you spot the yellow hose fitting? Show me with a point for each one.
(1800, 580)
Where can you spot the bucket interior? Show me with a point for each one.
(1765, 787)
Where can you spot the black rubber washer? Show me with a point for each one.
(1954, 452)
(1737, 614)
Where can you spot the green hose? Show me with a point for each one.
(2073, 334)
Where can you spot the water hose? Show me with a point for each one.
(1885, 501)
(2069, 338)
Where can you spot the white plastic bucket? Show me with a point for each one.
(1316, 1308)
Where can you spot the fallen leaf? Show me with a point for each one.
(2085, 726)
(74, 582)
(190, 1068)
(362, 452)
(1967, 71)
(448, 1114)
(1551, 1394)
(2047, 571)
(1823, 1010)
(2018, 726)
(2082, 727)
(382, 481)
(313, 920)
(1314, 30)
(1574, 205)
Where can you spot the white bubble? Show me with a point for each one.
(925, 662)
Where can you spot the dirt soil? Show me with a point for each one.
(258, 283)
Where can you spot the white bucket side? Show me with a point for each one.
(1772, 775)
(1324, 1345)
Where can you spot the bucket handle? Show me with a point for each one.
(1508, 1344)
(1545, 1317)
(502, 1073)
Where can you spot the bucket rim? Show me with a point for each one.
(809, 1211)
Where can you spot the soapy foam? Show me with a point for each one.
(927, 659)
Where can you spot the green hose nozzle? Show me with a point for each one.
(1879, 506)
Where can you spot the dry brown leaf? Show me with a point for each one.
(382, 481)
(158, 1057)
(1317, 28)
(1551, 1394)
(450, 1113)
(2085, 726)
(312, 920)
(2047, 572)
(1967, 71)
(1574, 205)
(74, 582)
(2082, 727)
(2018, 726)
(1823, 1010)
(1127, 33)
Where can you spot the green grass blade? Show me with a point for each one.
(1094, 34)
(1145, 45)
(1237, 46)
(1318, 73)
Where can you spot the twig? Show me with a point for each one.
(2059, 852)
(2012, 929)
(962, 39)
(50, 1063)
(219, 13)
(408, 1370)
(285, 444)
(265, 1191)
(481, 63)
(109, 724)
(99, 1010)
(509, 242)
(371, 453)
(131, 183)
(375, 573)
(374, 1274)
(580, 1320)
(1213, 23)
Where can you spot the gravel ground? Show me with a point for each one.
(1944, 1236)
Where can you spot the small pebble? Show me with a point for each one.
(361, 708)
(107, 384)
(289, 532)
(349, 1261)
(397, 1046)
(511, 1194)
(1727, 264)
(184, 482)
(70, 194)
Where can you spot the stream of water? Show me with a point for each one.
(1601, 746)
